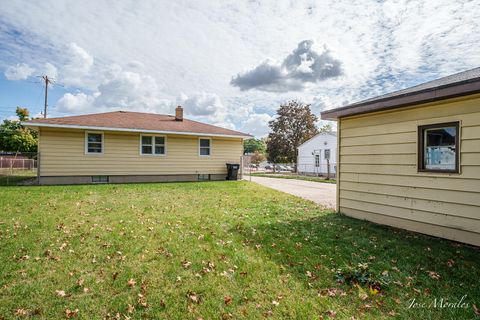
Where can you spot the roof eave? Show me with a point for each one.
(99, 128)
(424, 96)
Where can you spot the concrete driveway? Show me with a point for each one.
(322, 193)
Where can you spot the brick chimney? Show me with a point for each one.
(179, 113)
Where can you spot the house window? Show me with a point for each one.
(438, 148)
(154, 145)
(205, 145)
(327, 154)
(317, 160)
(93, 142)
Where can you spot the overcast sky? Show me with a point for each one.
(229, 63)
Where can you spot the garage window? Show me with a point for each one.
(438, 148)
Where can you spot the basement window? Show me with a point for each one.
(438, 148)
(203, 177)
(100, 179)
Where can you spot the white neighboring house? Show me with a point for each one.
(313, 154)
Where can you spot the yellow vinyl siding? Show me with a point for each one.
(379, 180)
(63, 154)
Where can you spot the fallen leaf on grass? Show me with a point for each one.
(331, 313)
(227, 300)
(450, 263)
(193, 297)
(476, 310)
(21, 312)
(60, 293)
(131, 283)
(71, 313)
(433, 275)
(275, 303)
(186, 264)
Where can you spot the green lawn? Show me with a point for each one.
(215, 250)
(292, 176)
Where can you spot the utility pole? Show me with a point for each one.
(47, 81)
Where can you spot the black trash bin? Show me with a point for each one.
(232, 169)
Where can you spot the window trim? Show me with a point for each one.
(86, 143)
(153, 154)
(421, 145)
(210, 147)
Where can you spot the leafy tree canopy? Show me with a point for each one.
(15, 137)
(294, 124)
(254, 145)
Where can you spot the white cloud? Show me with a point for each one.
(77, 70)
(20, 71)
(257, 124)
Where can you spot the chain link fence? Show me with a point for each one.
(17, 168)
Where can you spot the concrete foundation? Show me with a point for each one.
(131, 179)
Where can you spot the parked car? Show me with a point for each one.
(268, 167)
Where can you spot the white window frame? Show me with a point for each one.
(86, 143)
(153, 145)
(210, 147)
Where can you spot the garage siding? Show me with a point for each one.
(378, 178)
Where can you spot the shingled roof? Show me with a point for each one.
(459, 84)
(136, 122)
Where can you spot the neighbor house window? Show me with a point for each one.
(93, 142)
(438, 148)
(154, 145)
(205, 146)
(327, 154)
(317, 160)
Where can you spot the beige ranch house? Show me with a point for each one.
(117, 147)
(411, 159)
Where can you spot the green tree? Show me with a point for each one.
(294, 124)
(326, 128)
(254, 145)
(15, 137)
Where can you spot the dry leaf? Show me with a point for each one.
(192, 297)
(331, 313)
(450, 263)
(476, 310)
(275, 303)
(71, 313)
(60, 293)
(131, 283)
(21, 312)
(433, 275)
(227, 300)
